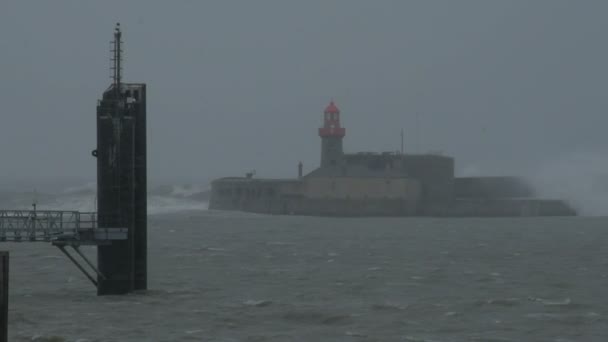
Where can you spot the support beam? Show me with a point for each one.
(84, 257)
(62, 249)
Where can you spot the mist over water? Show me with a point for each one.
(581, 178)
(162, 199)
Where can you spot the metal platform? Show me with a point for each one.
(57, 227)
(62, 229)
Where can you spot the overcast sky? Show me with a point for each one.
(503, 86)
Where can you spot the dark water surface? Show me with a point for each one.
(218, 276)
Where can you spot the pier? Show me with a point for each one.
(63, 229)
(57, 227)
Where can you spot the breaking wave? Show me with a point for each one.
(162, 199)
(580, 178)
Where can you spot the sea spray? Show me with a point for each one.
(580, 178)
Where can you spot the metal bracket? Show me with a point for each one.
(62, 248)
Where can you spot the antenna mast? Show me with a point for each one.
(402, 141)
(417, 133)
(116, 59)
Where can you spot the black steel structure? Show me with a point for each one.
(121, 180)
(4, 296)
(119, 227)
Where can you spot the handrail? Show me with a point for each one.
(49, 225)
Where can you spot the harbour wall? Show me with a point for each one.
(396, 207)
(499, 208)
(320, 207)
(367, 197)
(491, 188)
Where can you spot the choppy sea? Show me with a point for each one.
(227, 276)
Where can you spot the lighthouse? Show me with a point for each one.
(331, 137)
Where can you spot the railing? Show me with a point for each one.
(49, 225)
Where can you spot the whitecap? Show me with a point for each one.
(257, 303)
(565, 301)
(388, 307)
(417, 339)
(551, 302)
(278, 243)
(216, 249)
(190, 332)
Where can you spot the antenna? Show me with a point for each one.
(35, 200)
(116, 59)
(401, 140)
(417, 133)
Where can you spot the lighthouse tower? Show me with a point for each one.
(331, 137)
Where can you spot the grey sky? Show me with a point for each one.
(503, 86)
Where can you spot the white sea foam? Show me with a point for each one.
(83, 198)
(166, 205)
(580, 178)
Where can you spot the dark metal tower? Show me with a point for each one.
(121, 180)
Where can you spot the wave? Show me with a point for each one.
(581, 178)
(168, 205)
(161, 199)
